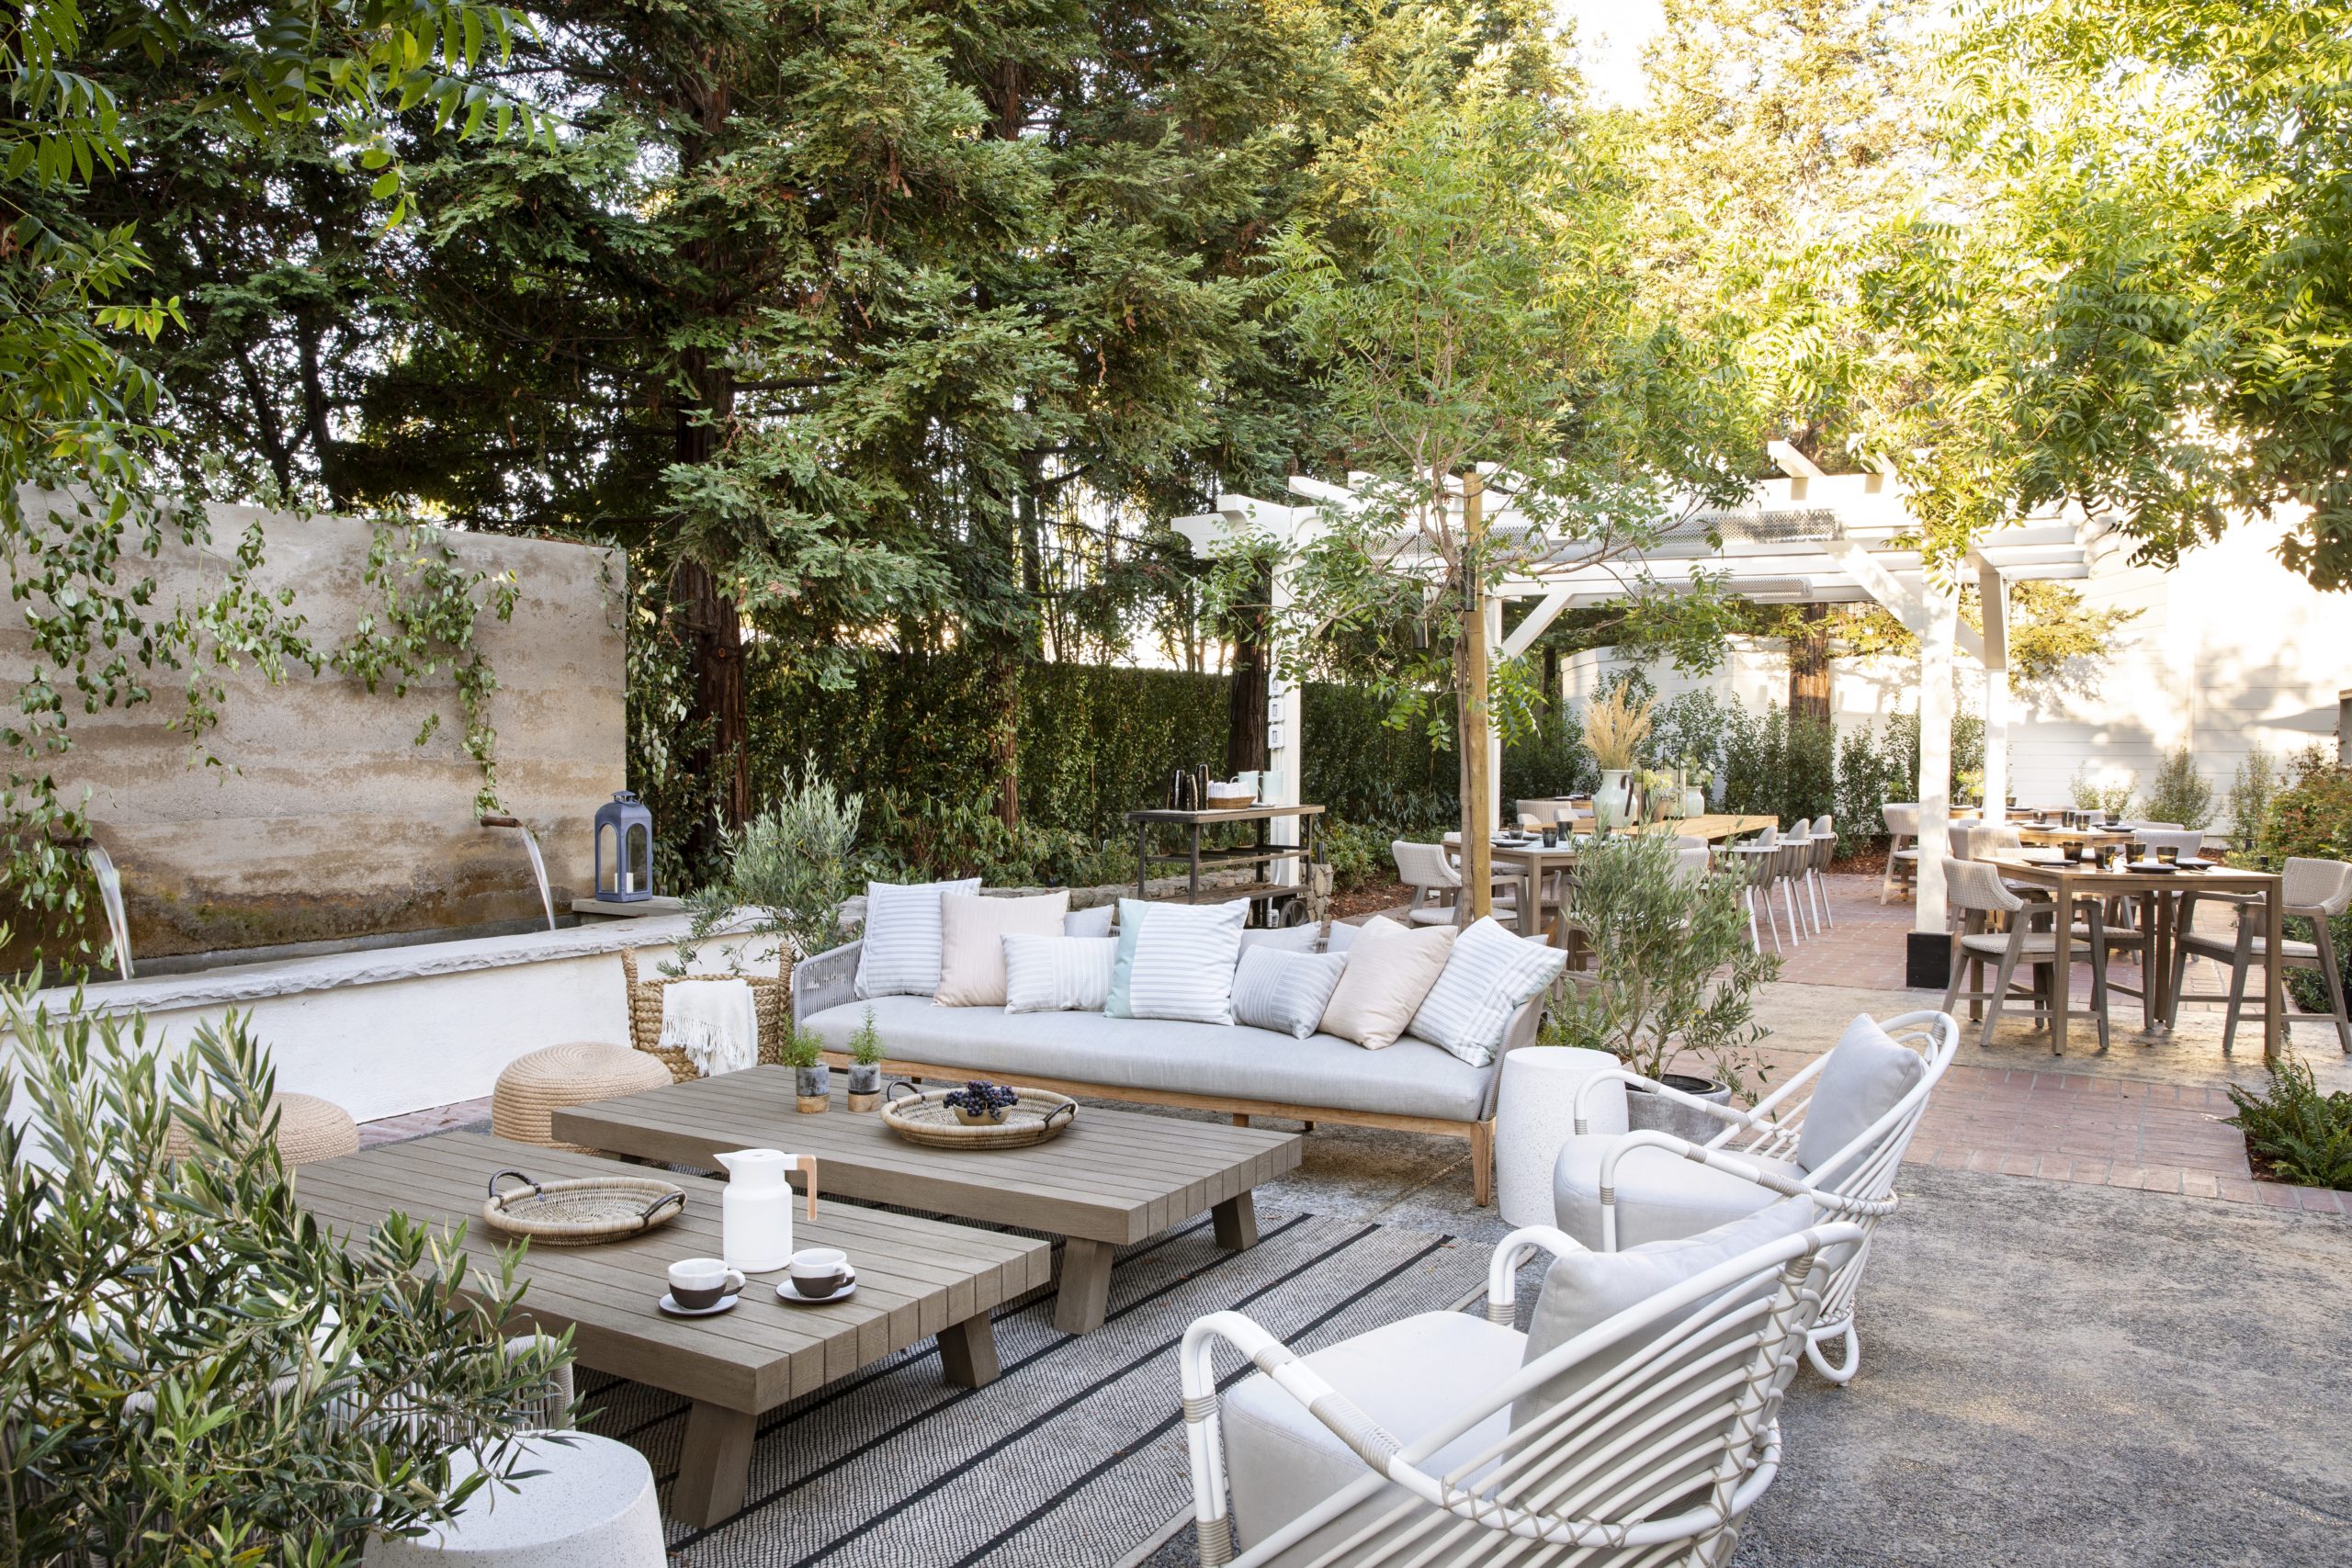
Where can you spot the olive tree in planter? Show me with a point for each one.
(191, 1369)
(1674, 976)
(789, 870)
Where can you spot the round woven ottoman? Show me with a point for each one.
(547, 1080)
(309, 1130)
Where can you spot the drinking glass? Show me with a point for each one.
(2168, 854)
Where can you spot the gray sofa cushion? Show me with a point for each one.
(1411, 1078)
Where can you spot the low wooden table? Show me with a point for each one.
(916, 1278)
(1116, 1177)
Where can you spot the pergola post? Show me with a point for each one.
(1495, 822)
(1285, 735)
(1936, 639)
(1993, 590)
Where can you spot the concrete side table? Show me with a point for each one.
(592, 1508)
(1534, 1114)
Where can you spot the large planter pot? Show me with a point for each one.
(1647, 1112)
(1616, 791)
(1694, 802)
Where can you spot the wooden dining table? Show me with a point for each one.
(1535, 862)
(2069, 882)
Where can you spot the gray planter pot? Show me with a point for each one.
(813, 1083)
(1647, 1112)
(865, 1078)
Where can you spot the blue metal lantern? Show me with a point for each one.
(624, 849)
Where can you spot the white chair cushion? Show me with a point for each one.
(1584, 1290)
(1058, 974)
(972, 929)
(1865, 1076)
(1183, 962)
(1388, 975)
(1490, 974)
(1284, 991)
(1660, 1195)
(1409, 1376)
(900, 955)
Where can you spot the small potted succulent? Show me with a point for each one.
(980, 1103)
(812, 1079)
(865, 1065)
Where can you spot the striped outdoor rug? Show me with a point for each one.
(1076, 1455)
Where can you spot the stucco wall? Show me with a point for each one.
(2228, 651)
(326, 821)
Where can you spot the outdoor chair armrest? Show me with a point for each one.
(1502, 1271)
(1196, 1375)
(828, 980)
(1736, 1119)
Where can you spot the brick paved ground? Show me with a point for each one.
(2146, 1115)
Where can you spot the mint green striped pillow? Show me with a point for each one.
(1123, 965)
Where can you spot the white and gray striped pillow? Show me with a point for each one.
(1089, 922)
(1183, 962)
(1285, 991)
(1058, 974)
(903, 938)
(1490, 974)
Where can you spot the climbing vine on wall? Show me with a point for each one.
(431, 604)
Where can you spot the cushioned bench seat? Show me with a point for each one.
(1409, 1079)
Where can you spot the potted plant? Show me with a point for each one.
(1695, 781)
(865, 1065)
(1615, 726)
(980, 1103)
(812, 1079)
(1674, 979)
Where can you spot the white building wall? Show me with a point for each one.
(2228, 651)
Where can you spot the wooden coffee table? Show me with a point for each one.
(916, 1278)
(1116, 1177)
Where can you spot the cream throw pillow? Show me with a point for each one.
(1390, 972)
(971, 951)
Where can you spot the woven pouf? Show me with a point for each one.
(309, 1130)
(547, 1080)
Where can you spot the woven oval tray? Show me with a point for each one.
(583, 1212)
(928, 1119)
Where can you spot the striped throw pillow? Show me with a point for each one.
(1490, 974)
(1284, 991)
(1058, 974)
(1183, 962)
(903, 938)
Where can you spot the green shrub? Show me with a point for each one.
(1867, 780)
(2181, 793)
(2303, 1135)
(2088, 795)
(793, 865)
(1673, 968)
(192, 1371)
(2251, 790)
(1358, 852)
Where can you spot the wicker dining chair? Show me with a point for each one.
(2315, 890)
(1824, 852)
(1974, 894)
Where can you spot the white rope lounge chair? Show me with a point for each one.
(1835, 1133)
(1636, 1422)
(2314, 889)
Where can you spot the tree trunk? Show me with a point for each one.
(1475, 722)
(1245, 730)
(1006, 678)
(1809, 666)
(714, 627)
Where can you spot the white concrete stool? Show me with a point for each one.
(594, 1507)
(1534, 1114)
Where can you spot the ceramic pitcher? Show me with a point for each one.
(755, 1216)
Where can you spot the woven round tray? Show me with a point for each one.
(928, 1119)
(582, 1211)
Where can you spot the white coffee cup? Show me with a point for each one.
(818, 1271)
(699, 1283)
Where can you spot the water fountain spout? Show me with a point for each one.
(109, 881)
(531, 847)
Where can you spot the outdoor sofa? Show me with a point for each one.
(1411, 1085)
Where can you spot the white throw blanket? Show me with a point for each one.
(715, 1022)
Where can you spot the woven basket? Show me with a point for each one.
(584, 1210)
(927, 1119)
(771, 1000)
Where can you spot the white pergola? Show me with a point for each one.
(1804, 538)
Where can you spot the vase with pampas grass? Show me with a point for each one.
(1615, 725)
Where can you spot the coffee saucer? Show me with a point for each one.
(786, 1292)
(669, 1303)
